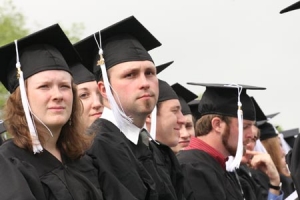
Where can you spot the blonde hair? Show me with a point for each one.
(273, 148)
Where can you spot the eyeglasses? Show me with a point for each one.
(250, 140)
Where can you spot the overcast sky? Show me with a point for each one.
(210, 41)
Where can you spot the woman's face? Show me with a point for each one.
(50, 97)
(90, 97)
(283, 161)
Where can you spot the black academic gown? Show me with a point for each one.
(253, 182)
(169, 168)
(293, 161)
(46, 178)
(108, 184)
(12, 184)
(287, 185)
(133, 165)
(206, 178)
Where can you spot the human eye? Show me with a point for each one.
(150, 72)
(84, 95)
(246, 126)
(129, 75)
(66, 86)
(188, 126)
(43, 86)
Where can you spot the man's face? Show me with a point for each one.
(230, 134)
(135, 86)
(249, 140)
(169, 122)
(187, 131)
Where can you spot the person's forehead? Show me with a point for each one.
(50, 74)
(132, 65)
(171, 103)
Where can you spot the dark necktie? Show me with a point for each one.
(144, 137)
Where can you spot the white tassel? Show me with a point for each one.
(235, 163)
(153, 123)
(36, 145)
(122, 119)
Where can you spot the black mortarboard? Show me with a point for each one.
(271, 116)
(222, 99)
(166, 92)
(194, 108)
(47, 49)
(162, 67)
(260, 116)
(267, 130)
(2, 127)
(127, 40)
(185, 96)
(290, 136)
(294, 6)
(81, 74)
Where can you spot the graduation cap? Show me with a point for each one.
(229, 100)
(166, 92)
(2, 127)
(222, 99)
(162, 67)
(261, 118)
(47, 49)
(259, 114)
(127, 40)
(194, 108)
(267, 130)
(185, 96)
(81, 74)
(292, 7)
(271, 116)
(290, 136)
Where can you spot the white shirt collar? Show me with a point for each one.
(131, 132)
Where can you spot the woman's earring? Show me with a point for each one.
(70, 122)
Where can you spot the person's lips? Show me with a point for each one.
(96, 114)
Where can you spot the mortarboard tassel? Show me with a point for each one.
(153, 123)
(36, 145)
(121, 118)
(235, 163)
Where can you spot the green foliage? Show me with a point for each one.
(3, 96)
(12, 23)
(74, 33)
(12, 26)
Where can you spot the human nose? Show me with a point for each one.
(57, 93)
(183, 132)
(96, 101)
(144, 81)
(180, 118)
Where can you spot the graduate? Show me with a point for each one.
(42, 114)
(257, 171)
(187, 130)
(219, 134)
(129, 87)
(88, 93)
(169, 120)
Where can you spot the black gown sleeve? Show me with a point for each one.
(13, 185)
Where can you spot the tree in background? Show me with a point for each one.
(13, 26)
